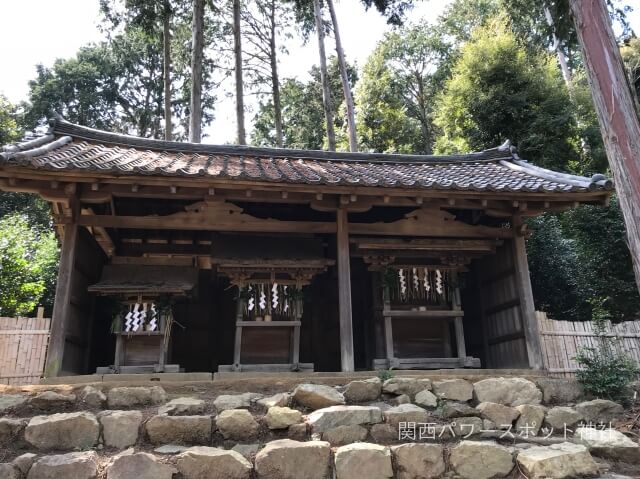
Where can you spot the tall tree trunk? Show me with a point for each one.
(566, 75)
(562, 59)
(423, 115)
(237, 51)
(324, 77)
(342, 65)
(197, 48)
(166, 58)
(275, 81)
(616, 111)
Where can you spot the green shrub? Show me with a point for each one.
(385, 374)
(606, 370)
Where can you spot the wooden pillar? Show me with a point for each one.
(344, 291)
(527, 307)
(457, 322)
(62, 303)
(237, 348)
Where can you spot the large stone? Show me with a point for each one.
(363, 391)
(559, 391)
(11, 430)
(48, 400)
(184, 406)
(458, 409)
(558, 461)
(467, 426)
(401, 399)
(507, 391)
(502, 416)
(287, 459)
(93, 397)
(248, 451)
(282, 417)
(24, 462)
(139, 466)
(10, 402)
(237, 424)
(126, 397)
(560, 417)
(408, 386)
(76, 465)
(298, 432)
(599, 411)
(426, 399)
(481, 460)
(341, 435)
(610, 444)
(385, 433)
(317, 396)
(363, 460)
(63, 431)
(235, 401)
(334, 416)
(170, 449)
(530, 420)
(120, 429)
(163, 429)
(213, 463)
(279, 399)
(418, 461)
(406, 413)
(9, 471)
(453, 389)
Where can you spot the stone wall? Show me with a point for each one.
(366, 429)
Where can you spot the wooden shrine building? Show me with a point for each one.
(193, 257)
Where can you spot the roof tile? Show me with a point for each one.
(70, 147)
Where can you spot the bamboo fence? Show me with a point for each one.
(561, 341)
(23, 348)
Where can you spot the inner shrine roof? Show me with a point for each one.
(72, 149)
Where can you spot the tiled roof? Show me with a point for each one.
(71, 148)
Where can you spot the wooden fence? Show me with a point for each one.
(23, 347)
(561, 341)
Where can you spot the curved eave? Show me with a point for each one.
(69, 149)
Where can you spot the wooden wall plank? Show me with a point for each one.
(23, 344)
(562, 340)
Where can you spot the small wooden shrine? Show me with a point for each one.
(143, 319)
(237, 258)
(269, 303)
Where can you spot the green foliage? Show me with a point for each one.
(29, 205)
(302, 111)
(599, 240)
(117, 85)
(384, 374)
(606, 371)
(631, 57)
(10, 132)
(28, 263)
(499, 91)
(584, 254)
(382, 121)
(394, 97)
(555, 266)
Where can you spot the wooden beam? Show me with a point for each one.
(220, 216)
(527, 307)
(427, 244)
(61, 306)
(154, 260)
(344, 291)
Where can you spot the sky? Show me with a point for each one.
(39, 31)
